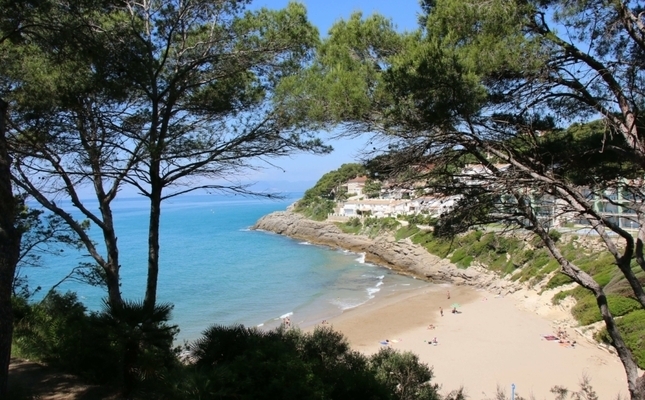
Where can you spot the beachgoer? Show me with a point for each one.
(441, 311)
(434, 341)
(430, 326)
(454, 310)
(448, 293)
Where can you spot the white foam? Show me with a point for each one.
(346, 305)
(361, 258)
(372, 291)
(260, 325)
(305, 243)
(286, 315)
(379, 284)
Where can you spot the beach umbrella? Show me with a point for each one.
(455, 305)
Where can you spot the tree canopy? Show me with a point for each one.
(165, 97)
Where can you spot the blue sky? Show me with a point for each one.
(302, 171)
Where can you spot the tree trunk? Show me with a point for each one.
(10, 237)
(153, 250)
(585, 280)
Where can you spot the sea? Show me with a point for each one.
(215, 270)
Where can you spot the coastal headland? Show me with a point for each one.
(497, 338)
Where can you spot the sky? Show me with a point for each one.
(300, 172)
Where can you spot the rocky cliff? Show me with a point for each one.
(402, 256)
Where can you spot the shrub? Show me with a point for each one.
(555, 235)
(58, 332)
(586, 309)
(404, 375)
(128, 346)
(632, 329)
(240, 362)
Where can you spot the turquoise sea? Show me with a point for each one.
(215, 270)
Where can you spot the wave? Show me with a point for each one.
(305, 243)
(286, 315)
(361, 258)
(347, 304)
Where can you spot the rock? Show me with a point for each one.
(401, 256)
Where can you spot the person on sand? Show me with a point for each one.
(431, 326)
(441, 311)
(434, 341)
(448, 291)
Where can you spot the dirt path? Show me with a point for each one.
(45, 383)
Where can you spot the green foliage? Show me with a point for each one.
(558, 280)
(143, 339)
(461, 258)
(342, 82)
(125, 346)
(316, 208)
(555, 235)
(586, 309)
(372, 189)
(420, 219)
(375, 226)
(58, 331)
(437, 246)
(406, 231)
(247, 363)
(632, 329)
(404, 375)
(330, 185)
(318, 201)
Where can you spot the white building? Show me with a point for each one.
(355, 186)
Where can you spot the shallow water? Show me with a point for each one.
(215, 270)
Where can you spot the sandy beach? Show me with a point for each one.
(493, 341)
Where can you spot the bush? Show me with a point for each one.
(128, 347)
(555, 235)
(632, 329)
(586, 309)
(404, 375)
(246, 363)
(58, 332)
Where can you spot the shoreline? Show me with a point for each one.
(496, 341)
